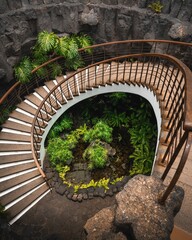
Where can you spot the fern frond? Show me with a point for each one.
(46, 41)
(23, 70)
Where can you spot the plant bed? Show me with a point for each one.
(81, 194)
(93, 152)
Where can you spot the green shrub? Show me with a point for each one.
(59, 151)
(65, 123)
(23, 70)
(47, 46)
(96, 154)
(99, 131)
(115, 119)
(142, 136)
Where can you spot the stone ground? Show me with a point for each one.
(57, 218)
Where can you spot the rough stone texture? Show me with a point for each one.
(101, 227)
(181, 31)
(104, 20)
(137, 212)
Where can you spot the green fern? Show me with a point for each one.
(46, 42)
(23, 70)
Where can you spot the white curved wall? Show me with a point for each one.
(139, 90)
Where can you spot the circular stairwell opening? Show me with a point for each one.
(98, 144)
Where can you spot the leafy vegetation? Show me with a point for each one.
(5, 113)
(60, 150)
(96, 154)
(100, 131)
(106, 118)
(65, 123)
(142, 135)
(156, 6)
(47, 46)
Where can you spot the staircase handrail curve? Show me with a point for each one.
(186, 72)
(12, 88)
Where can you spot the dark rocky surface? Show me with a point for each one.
(137, 212)
(104, 20)
(57, 218)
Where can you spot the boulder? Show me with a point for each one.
(101, 227)
(137, 214)
(138, 208)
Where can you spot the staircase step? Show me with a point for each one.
(14, 137)
(36, 101)
(43, 93)
(7, 184)
(15, 169)
(17, 126)
(13, 195)
(24, 203)
(22, 117)
(26, 107)
(4, 147)
(15, 158)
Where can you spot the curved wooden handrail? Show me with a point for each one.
(95, 46)
(186, 121)
(11, 89)
(187, 126)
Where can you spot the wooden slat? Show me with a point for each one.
(17, 180)
(11, 196)
(24, 203)
(14, 137)
(15, 158)
(16, 169)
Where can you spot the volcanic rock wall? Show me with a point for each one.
(104, 20)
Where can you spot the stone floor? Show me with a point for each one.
(57, 218)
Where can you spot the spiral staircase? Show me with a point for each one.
(130, 66)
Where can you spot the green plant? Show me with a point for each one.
(117, 97)
(115, 119)
(96, 154)
(59, 151)
(47, 46)
(65, 123)
(23, 70)
(5, 113)
(142, 135)
(99, 131)
(156, 6)
(62, 170)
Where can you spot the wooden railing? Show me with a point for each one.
(166, 76)
(180, 50)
